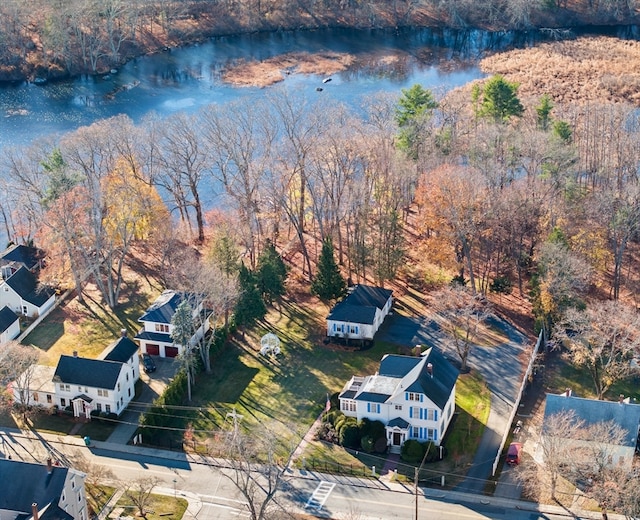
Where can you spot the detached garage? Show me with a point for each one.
(171, 351)
(152, 349)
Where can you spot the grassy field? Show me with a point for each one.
(160, 507)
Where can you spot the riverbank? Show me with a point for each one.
(50, 41)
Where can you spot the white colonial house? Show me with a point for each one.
(105, 385)
(360, 314)
(41, 491)
(623, 413)
(155, 337)
(35, 387)
(413, 396)
(22, 293)
(9, 325)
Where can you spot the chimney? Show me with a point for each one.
(567, 392)
(49, 466)
(34, 511)
(123, 333)
(75, 353)
(430, 369)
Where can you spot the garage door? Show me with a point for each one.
(171, 351)
(152, 349)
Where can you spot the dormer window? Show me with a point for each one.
(412, 396)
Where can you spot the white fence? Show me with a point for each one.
(516, 405)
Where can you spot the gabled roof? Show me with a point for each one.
(25, 284)
(361, 304)
(399, 422)
(95, 373)
(163, 309)
(7, 318)
(24, 483)
(399, 374)
(28, 256)
(122, 350)
(591, 411)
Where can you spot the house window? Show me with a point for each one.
(73, 484)
(103, 393)
(414, 412)
(398, 407)
(354, 329)
(129, 392)
(98, 407)
(431, 415)
(411, 396)
(65, 388)
(162, 327)
(79, 388)
(348, 406)
(127, 376)
(35, 397)
(373, 407)
(49, 399)
(107, 408)
(416, 432)
(63, 402)
(118, 387)
(25, 310)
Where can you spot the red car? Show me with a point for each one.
(513, 454)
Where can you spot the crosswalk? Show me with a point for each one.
(320, 495)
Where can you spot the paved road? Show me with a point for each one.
(211, 495)
(502, 368)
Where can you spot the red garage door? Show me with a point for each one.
(154, 350)
(171, 351)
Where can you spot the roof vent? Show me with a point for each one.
(430, 369)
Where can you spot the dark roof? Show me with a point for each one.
(399, 422)
(372, 397)
(24, 483)
(438, 386)
(96, 373)
(592, 411)
(397, 366)
(163, 309)
(25, 284)
(28, 256)
(161, 337)
(360, 304)
(122, 350)
(7, 318)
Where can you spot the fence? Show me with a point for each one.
(523, 385)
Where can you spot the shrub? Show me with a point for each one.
(367, 443)
(340, 420)
(380, 445)
(459, 280)
(374, 429)
(350, 436)
(327, 433)
(95, 415)
(501, 285)
(412, 451)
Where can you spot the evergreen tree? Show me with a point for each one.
(181, 333)
(250, 306)
(328, 283)
(543, 111)
(415, 104)
(272, 273)
(500, 101)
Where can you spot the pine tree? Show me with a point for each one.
(272, 273)
(328, 284)
(250, 306)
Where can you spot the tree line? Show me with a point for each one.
(53, 38)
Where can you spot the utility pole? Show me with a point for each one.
(417, 476)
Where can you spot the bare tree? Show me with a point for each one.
(463, 313)
(139, 493)
(18, 368)
(603, 339)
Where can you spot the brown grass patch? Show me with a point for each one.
(273, 70)
(586, 69)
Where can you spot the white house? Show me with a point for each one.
(16, 256)
(622, 413)
(105, 385)
(155, 337)
(41, 491)
(360, 314)
(414, 397)
(35, 386)
(9, 325)
(22, 293)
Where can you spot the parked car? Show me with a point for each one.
(513, 454)
(148, 363)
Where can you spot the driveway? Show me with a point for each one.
(152, 386)
(501, 366)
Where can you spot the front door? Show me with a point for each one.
(397, 438)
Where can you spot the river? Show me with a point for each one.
(190, 77)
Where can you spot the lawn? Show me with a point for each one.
(159, 507)
(89, 327)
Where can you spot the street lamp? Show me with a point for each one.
(175, 493)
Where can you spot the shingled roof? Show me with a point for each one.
(19, 254)
(592, 411)
(24, 483)
(163, 309)
(96, 373)
(122, 350)
(7, 318)
(25, 284)
(361, 304)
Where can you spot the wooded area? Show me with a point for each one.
(45, 39)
